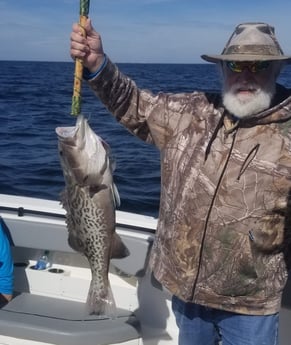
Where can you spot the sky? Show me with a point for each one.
(138, 31)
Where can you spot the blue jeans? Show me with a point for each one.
(200, 325)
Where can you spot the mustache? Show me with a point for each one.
(236, 87)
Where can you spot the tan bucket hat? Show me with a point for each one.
(251, 42)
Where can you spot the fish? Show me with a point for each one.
(90, 199)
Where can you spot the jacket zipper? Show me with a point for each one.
(210, 209)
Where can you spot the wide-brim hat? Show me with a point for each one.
(251, 42)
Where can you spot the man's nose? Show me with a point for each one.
(246, 73)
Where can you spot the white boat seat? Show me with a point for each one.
(63, 322)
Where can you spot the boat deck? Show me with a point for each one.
(63, 322)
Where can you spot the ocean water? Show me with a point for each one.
(35, 98)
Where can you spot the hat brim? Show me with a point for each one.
(244, 57)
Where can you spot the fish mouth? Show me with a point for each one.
(66, 132)
(70, 134)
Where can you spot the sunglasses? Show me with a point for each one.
(254, 67)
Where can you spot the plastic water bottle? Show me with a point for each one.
(43, 262)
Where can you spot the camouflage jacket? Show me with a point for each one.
(223, 237)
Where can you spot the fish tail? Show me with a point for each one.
(101, 302)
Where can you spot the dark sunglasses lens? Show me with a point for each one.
(253, 67)
(262, 65)
(233, 66)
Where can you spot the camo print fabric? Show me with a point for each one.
(223, 236)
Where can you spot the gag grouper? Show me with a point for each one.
(90, 198)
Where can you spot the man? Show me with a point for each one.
(222, 246)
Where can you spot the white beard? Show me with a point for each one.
(243, 105)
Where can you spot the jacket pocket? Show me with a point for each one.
(229, 268)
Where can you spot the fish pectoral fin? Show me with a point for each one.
(76, 244)
(118, 249)
(95, 189)
(115, 195)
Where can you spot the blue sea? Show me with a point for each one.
(35, 98)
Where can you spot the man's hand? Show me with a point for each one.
(86, 44)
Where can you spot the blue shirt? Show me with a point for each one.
(6, 264)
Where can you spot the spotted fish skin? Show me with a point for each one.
(90, 199)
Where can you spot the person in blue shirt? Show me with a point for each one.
(6, 268)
